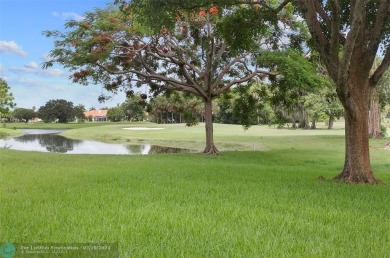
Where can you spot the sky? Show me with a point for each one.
(23, 49)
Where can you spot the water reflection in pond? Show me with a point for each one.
(50, 141)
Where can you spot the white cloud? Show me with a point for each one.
(11, 47)
(29, 82)
(69, 15)
(1, 68)
(22, 69)
(33, 67)
(53, 72)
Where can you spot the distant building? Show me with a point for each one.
(96, 115)
(35, 120)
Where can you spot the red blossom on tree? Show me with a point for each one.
(214, 10)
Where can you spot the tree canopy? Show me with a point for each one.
(24, 114)
(57, 110)
(6, 99)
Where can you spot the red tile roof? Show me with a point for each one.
(95, 113)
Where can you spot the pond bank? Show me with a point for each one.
(49, 140)
(6, 132)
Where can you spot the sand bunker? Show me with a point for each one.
(143, 128)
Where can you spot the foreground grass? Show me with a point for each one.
(239, 204)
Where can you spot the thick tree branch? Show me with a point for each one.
(322, 44)
(187, 63)
(382, 20)
(335, 33)
(242, 80)
(377, 75)
(218, 56)
(226, 70)
(151, 75)
(208, 67)
(355, 28)
(196, 86)
(321, 12)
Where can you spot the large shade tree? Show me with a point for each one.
(57, 110)
(24, 114)
(347, 34)
(188, 55)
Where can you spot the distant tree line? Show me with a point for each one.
(133, 109)
(254, 104)
(58, 110)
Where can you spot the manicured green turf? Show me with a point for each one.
(239, 204)
(6, 132)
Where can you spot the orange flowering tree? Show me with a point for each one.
(110, 47)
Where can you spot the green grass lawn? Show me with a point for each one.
(5, 132)
(238, 204)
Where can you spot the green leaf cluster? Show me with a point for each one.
(6, 99)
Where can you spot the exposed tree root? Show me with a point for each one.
(376, 135)
(357, 177)
(211, 150)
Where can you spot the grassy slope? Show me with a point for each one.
(6, 132)
(237, 204)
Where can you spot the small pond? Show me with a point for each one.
(51, 141)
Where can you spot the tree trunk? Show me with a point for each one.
(357, 167)
(374, 123)
(331, 122)
(294, 124)
(304, 124)
(208, 116)
(313, 124)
